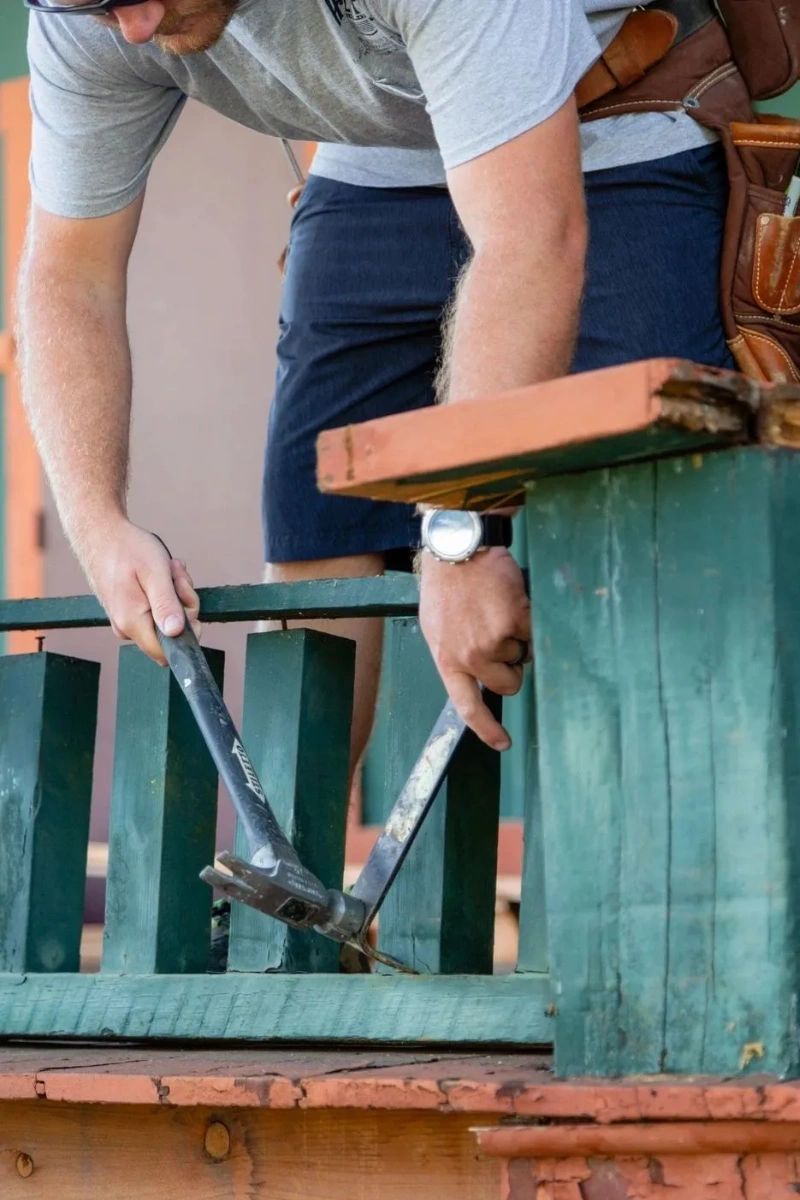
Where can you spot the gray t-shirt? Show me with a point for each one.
(449, 78)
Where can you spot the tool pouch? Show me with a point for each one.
(760, 275)
(761, 250)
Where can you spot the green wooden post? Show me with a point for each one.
(163, 818)
(49, 712)
(439, 914)
(667, 618)
(297, 716)
(532, 948)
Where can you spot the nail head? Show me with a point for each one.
(24, 1165)
(217, 1141)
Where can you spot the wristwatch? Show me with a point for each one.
(454, 536)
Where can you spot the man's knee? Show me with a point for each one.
(351, 567)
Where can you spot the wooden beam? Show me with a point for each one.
(667, 674)
(516, 1085)
(352, 1009)
(473, 452)
(393, 596)
(91, 1152)
(640, 1141)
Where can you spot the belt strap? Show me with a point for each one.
(646, 37)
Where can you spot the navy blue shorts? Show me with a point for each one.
(369, 273)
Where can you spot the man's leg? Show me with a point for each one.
(368, 274)
(652, 281)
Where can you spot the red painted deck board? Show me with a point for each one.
(514, 1085)
(501, 440)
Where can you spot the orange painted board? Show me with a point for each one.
(498, 443)
(640, 1140)
(518, 1085)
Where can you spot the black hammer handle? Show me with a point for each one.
(188, 664)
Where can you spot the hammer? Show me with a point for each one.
(274, 880)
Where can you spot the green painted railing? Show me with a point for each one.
(280, 984)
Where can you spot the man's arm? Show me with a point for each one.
(76, 377)
(514, 323)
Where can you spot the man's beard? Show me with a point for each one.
(195, 30)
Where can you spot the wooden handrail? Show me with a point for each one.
(386, 596)
(466, 454)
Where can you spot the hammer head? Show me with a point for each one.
(291, 895)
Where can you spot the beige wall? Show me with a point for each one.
(203, 312)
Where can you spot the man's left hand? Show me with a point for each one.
(476, 618)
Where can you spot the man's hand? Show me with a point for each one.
(140, 587)
(474, 616)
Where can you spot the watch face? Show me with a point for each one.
(452, 535)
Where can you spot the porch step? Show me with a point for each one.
(138, 1123)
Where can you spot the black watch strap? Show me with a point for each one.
(497, 531)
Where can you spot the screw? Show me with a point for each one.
(40, 643)
(24, 1165)
(217, 1141)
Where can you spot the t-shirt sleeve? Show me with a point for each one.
(493, 69)
(97, 125)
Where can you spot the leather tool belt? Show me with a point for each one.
(646, 38)
(676, 56)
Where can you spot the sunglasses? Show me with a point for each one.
(81, 8)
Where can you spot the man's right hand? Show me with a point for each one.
(140, 586)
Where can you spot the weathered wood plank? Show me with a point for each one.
(394, 595)
(506, 1010)
(459, 454)
(49, 712)
(163, 819)
(665, 610)
(93, 1151)
(439, 914)
(598, 607)
(730, 671)
(309, 1077)
(298, 701)
(532, 946)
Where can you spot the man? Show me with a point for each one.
(476, 94)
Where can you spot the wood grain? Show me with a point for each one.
(395, 595)
(163, 819)
(439, 914)
(49, 712)
(665, 609)
(458, 455)
(505, 1010)
(82, 1152)
(298, 702)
